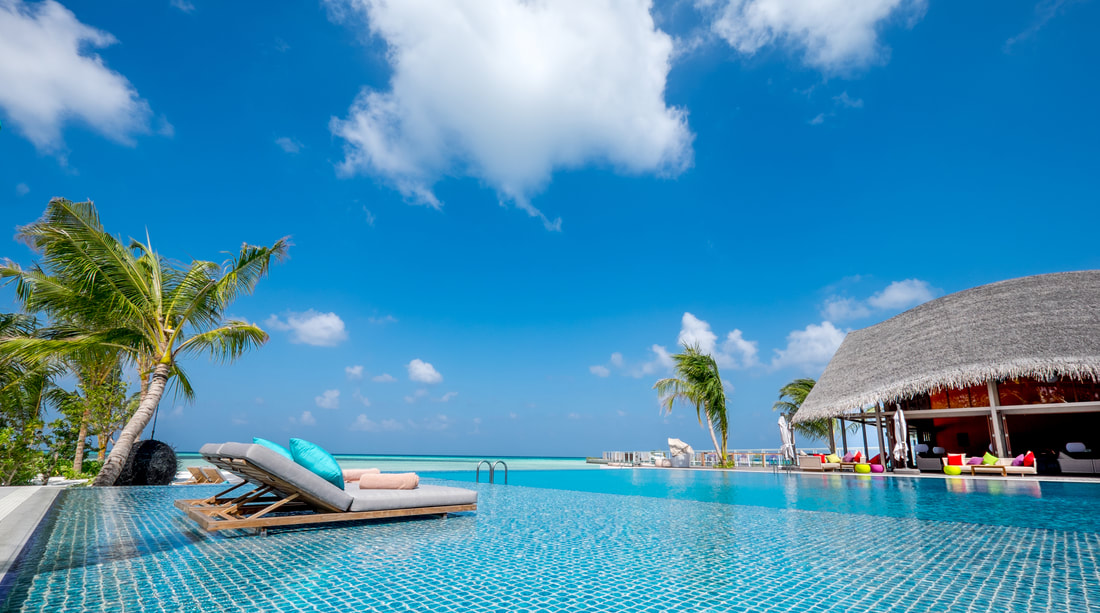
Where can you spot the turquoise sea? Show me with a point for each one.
(432, 463)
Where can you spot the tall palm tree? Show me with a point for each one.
(698, 384)
(791, 397)
(102, 294)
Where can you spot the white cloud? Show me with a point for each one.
(621, 413)
(383, 378)
(418, 394)
(368, 216)
(810, 348)
(311, 328)
(513, 415)
(817, 120)
(354, 373)
(847, 101)
(574, 416)
(617, 359)
(329, 399)
(363, 400)
(662, 360)
(364, 424)
(177, 411)
(438, 423)
(902, 294)
(599, 371)
(239, 420)
(735, 352)
(388, 319)
(288, 144)
(831, 35)
(839, 308)
(510, 91)
(183, 5)
(306, 419)
(22, 189)
(423, 372)
(447, 397)
(51, 76)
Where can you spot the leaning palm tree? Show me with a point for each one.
(101, 294)
(699, 385)
(791, 397)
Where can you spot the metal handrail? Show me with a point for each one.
(477, 473)
(494, 465)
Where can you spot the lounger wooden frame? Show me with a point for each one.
(254, 508)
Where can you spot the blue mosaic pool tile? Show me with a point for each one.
(536, 550)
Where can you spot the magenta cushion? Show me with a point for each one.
(1018, 460)
(877, 468)
(973, 461)
(848, 457)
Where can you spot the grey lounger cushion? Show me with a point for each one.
(423, 496)
(289, 471)
(211, 449)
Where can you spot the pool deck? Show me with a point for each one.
(21, 510)
(908, 472)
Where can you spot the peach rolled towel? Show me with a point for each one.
(353, 474)
(402, 481)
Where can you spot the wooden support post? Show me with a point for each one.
(863, 426)
(844, 435)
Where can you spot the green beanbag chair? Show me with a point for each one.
(952, 470)
(863, 468)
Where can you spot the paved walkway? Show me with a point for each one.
(21, 510)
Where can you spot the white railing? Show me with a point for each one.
(762, 458)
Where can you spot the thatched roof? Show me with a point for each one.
(1038, 326)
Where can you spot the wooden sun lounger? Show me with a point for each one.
(275, 501)
(213, 475)
(197, 476)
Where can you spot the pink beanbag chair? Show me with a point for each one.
(402, 481)
(353, 474)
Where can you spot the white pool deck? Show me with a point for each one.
(21, 510)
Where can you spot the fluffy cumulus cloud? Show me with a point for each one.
(288, 144)
(734, 352)
(47, 52)
(383, 378)
(902, 294)
(329, 399)
(311, 328)
(423, 372)
(833, 36)
(508, 91)
(306, 419)
(354, 373)
(810, 348)
(600, 370)
(363, 423)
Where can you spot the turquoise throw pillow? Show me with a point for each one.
(317, 460)
(277, 448)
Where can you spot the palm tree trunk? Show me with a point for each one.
(78, 461)
(717, 448)
(112, 468)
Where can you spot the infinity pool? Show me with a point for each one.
(608, 540)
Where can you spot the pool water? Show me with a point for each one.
(610, 540)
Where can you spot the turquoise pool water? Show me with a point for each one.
(421, 464)
(603, 540)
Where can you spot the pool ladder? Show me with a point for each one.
(492, 470)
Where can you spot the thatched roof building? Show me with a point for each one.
(1041, 326)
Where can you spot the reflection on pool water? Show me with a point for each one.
(600, 540)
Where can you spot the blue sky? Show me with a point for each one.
(514, 210)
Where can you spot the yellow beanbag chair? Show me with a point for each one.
(952, 470)
(863, 468)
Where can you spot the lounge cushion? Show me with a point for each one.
(954, 459)
(858, 457)
(848, 457)
(277, 448)
(291, 472)
(989, 459)
(389, 481)
(423, 496)
(1018, 460)
(1029, 459)
(317, 460)
(832, 458)
(210, 449)
(974, 460)
(353, 474)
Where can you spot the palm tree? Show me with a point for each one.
(791, 397)
(104, 295)
(699, 385)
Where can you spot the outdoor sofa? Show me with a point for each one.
(813, 462)
(1002, 466)
(929, 461)
(288, 494)
(1078, 459)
